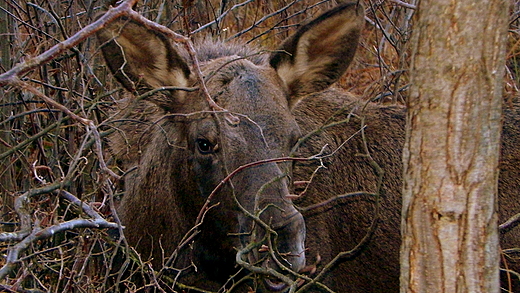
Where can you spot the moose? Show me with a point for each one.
(283, 177)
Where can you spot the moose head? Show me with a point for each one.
(192, 156)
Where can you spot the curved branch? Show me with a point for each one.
(40, 234)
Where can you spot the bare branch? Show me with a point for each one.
(40, 234)
(511, 223)
(236, 6)
(265, 18)
(80, 204)
(28, 235)
(404, 4)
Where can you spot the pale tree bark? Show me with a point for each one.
(449, 226)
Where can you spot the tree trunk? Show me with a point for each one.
(450, 158)
(6, 168)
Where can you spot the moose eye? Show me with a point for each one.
(204, 146)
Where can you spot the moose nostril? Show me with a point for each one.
(274, 285)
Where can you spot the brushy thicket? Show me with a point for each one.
(54, 188)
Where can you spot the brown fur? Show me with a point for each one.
(341, 226)
(277, 101)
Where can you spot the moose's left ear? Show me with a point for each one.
(319, 52)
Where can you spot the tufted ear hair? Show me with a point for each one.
(319, 52)
(142, 59)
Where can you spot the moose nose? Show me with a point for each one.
(291, 250)
(275, 285)
(277, 265)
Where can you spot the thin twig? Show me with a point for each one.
(404, 4)
(264, 19)
(221, 16)
(510, 224)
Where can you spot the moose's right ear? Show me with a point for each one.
(141, 59)
(319, 52)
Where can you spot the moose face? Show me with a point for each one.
(265, 129)
(194, 148)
